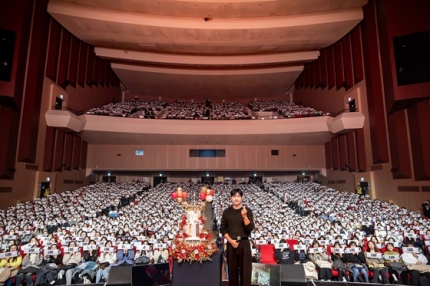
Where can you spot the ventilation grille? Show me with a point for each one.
(408, 188)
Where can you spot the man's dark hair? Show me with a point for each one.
(236, 191)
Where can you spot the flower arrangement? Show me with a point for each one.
(200, 251)
(196, 250)
(192, 243)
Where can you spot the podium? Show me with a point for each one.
(207, 273)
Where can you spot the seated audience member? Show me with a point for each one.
(338, 261)
(284, 255)
(301, 257)
(396, 267)
(376, 265)
(30, 264)
(412, 261)
(12, 263)
(70, 261)
(125, 256)
(106, 260)
(323, 263)
(48, 272)
(86, 272)
(357, 263)
(413, 239)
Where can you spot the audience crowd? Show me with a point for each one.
(130, 108)
(283, 108)
(202, 110)
(77, 236)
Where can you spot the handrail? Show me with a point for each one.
(335, 114)
(75, 112)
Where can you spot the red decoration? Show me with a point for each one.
(174, 195)
(184, 195)
(212, 192)
(202, 196)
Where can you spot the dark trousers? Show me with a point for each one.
(325, 273)
(239, 264)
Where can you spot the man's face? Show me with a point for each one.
(236, 199)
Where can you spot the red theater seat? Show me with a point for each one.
(267, 254)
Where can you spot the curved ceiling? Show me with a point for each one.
(183, 49)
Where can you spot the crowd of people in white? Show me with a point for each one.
(77, 236)
(202, 110)
(130, 108)
(284, 108)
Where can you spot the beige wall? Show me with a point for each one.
(176, 157)
(183, 177)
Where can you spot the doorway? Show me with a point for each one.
(158, 180)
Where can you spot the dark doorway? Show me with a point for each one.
(256, 179)
(109, 179)
(303, 178)
(352, 107)
(45, 186)
(58, 103)
(158, 180)
(208, 180)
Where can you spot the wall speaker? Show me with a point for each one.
(293, 274)
(412, 58)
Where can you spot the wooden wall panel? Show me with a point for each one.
(357, 54)
(343, 158)
(182, 156)
(96, 71)
(347, 62)
(352, 151)
(84, 150)
(302, 80)
(63, 63)
(306, 78)
(328, 156)
(102, 72)
(419, 130)
(338, 61)
(374, 87)
(73, 62)
(162, 157)
(317, 73)
(335, 152)
(48, 153)
(76, 152)
(90, 66)
(9, 126)
(68, 151)
(323, 67)
(251, 157)
(399, 145)
(82, 66)
(232, 158)
(53, 50)
(331, 67)
(34, 84)
(311, 74)
(172, 157)
(361, 150)
(59, 151)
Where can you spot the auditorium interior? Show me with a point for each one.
(331, 94)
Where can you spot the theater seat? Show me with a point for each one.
(267, 254)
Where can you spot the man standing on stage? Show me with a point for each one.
(236, 225)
